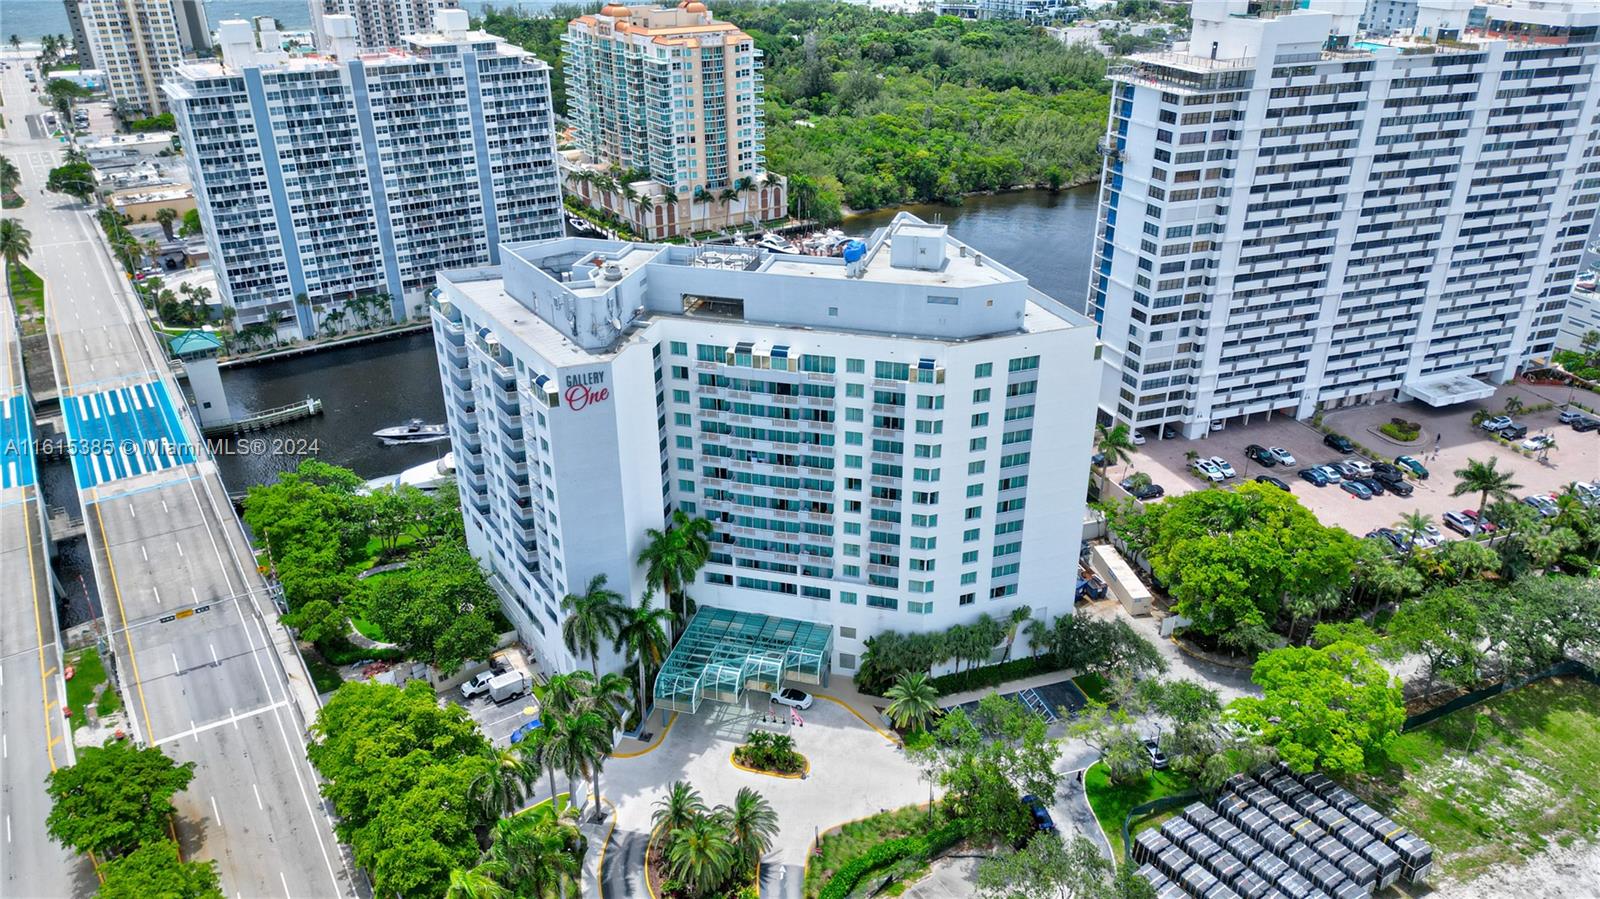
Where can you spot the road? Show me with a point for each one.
(187, 615)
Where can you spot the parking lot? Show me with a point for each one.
(497, 720)
(1576, 456)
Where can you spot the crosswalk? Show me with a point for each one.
(123, 432)
(16, 443)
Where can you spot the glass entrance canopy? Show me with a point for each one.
(723, 653)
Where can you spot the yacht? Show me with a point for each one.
(776, 243)
(413, 431)
(427, 477)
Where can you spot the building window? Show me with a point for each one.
(679, 348)
(983, 370)
(855, 391)
(882, 602)
(847, 661)
(980, 419)
(970, 536)
(684, 442)
(969, 557)
(975, 467)
(981, 395)
(855, 366)
(968, 598)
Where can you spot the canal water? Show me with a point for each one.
(1044, 237)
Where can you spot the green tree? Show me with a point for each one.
(400, 769)
(580, 744)
(1484, 479)
(481, 881)
(318, 621)
(752, 826)
(1116, 445)
(16, 244)
(155, 869)
(1446, 628)
(436, 608)
(643, 633)
(702, 855)
(1048, 867)
(673, 557)
(116, 798)
(593, 616)
(913, 701)
(502, 788)
(540, 854)
(10, 177)
(1333, 709)
(681, 805)
(191, 226)
(75, 179)
(987, 761)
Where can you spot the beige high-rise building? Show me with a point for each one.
(136, 45)
(380, 24)
(666, 106)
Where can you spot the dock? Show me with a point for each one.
(271, 418)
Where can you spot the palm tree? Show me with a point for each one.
(10, 177)
(912, 701)
(678, 808)
(752, 824)
(166, 215)
(480, 882)
(608, 697)
(502, 788)
(1414, 522)
(644, 633)
(592, 616)
(581, 744)
(539, 754)
(16, 42)
(702, 854)
(16, 244)
(540, 853)
(1484, 479)
(673, 557)
(1115, 445)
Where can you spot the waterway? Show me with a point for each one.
(1045, 237)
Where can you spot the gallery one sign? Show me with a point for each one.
(586, 389)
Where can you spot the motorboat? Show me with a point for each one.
(413, 431)
(427, 477)
(581, 224)
(776, 244)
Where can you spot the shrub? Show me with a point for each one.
(992, 675)
(340, 652)
(922, 848)
(1401, 430)
(768, 751)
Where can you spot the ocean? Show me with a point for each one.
(32, 19)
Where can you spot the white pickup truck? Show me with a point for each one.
(500, 687)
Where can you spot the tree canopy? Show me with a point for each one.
(155, 869)
(1333, 709)
(116, 798)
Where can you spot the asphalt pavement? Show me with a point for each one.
(187, 616)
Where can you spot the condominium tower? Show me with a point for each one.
(861, 431)
(380, 24)
(668, 100)
(136, 44)
(1292, 219)
(326, 178)
(80, 35)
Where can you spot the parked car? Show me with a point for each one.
(1041, 815)
(1098, 460)
(1568, 416)
(1461, 524)
(1158, 759)
(1269, 479)
(1361, 465)
(1497, 423)
(1411, 464)
(1283, 456)
(1315, 476)
(1428, 536)
(1373, 484)
(1537, 442)
(1514, 432)
(1586, 492)
(1398, 488)
(1346, 470)
(1222, 465)
(1356, 489)
(1259, 454)
(1482, 524)
(1205, 469)
(1339, 443)
(1387, 473)
(1544, 505)
(795, 699)
(477, 684)
(1137, 438)
(1148, 491)
(1397, 541)
(1332, 474)
(1586, 424)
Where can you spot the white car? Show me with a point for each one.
(1360, 465)
(1427, 537)
(1331, 473)
(1282, 455)
(797, 699)
(1222, 465)
(1205, 469)
(1537, 442)
(1138, 438)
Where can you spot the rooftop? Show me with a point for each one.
(723, 653)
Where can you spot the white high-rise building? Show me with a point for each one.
(882, 441)
(380, 24)
(136, 44)
(345, 176)
(1295, 219)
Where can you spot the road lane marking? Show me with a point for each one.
(194, 595)
(157, 594)
(142, 554)
(214, 659)
(215, 813)
(177, 669)
(233, 718)
(163, 507)
(285, 885)
(194, 730)
(180, 549)
(258, 797)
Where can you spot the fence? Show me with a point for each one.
(1569, 668)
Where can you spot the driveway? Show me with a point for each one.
(1576, 457)
(855, 771)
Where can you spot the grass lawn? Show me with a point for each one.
(27, 289)
(1111, 803)
(844, 844)
(1501, 781)
(324, 677)
(88, 674)
(1093, 686)
(369, 630)
(11, 201)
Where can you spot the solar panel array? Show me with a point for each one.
(1280, 835)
